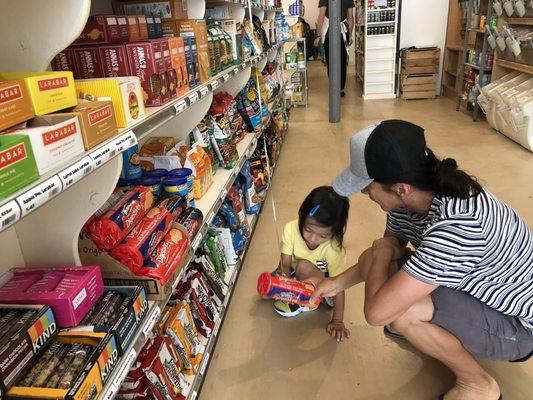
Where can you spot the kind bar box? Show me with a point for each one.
(49, 91)
(179, 64)
(100, 29)
(27, 330)
(54, 139)
(125, 94)
(64, 61)
(17, 164)
(196, 28)
(171, 9)
(71, 291)
(15, 104)
(90, 358)
(146, 61)
(88, 63)
(97, 121)
(114, 60)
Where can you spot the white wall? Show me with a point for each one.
(424, 24)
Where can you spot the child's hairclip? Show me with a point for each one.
(314, 210)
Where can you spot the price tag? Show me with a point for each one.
(111, 393)
(151, 321)
(103, 154)
(204, 91)
(40, 194)
(180, 106)
(9, 214)
(125, 141)
(225, 77)
(196, 242)
(223, 194)
(193, 395)
(209, 218)
(193, 98)
(235, 70)
(204, 363)
(217, 327)
(226, 300)
(234, 277)
(69, 176)
(124, 367)
(214, 85)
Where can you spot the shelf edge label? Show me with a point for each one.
(193, 98)
(77, 171)
(40, 194)
(196, 242)
(214, 85)
(151, 321)
(225, 77)
(180, 106)
(104, 154)
(125, 367)
(204, 91)
(125, 141)
(204, 363)
(9, 214)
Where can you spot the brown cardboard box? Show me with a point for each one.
(169, 70)
(179, 64)
(198, 28)
(164, 9)
(15, 103)
(88, 64)
(64, 61)
(97, 121)
(114, 60)
(143, 27)
(133, 28)
(123, 28)
(99, 29)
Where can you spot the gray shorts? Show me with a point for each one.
(483, 331)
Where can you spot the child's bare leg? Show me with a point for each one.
(306, 271)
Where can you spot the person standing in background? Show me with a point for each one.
(347, 26)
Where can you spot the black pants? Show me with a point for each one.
(343, 59)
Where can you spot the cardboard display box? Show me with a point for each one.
(143, 27)
(125, 93)
(179, 64)
(101, 29)
(97, 121)
(17, 164)
(164, 9)
(88, 63)
(15, 104)
(54, 139)
(114, 60)
(49, 91)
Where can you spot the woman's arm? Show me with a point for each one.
(351, 24)
(319, 24)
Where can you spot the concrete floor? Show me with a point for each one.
(262, 356)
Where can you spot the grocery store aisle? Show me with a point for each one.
(262, 356)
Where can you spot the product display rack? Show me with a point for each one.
(288, 73)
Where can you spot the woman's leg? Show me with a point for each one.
(326, 52)
(343, 65)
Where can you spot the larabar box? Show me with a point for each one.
(88, 62)
(54, 139)
(125, 93)
(114, 60)
(133, 28)
(15, 104)
(99, 29)
(17, 164)
(146, 61)
(143, 27)
(96, 352)
(164, 9)
(64, 61)
(198, 29)
(49, 91)
(97, 121)
(27, 331)
(179, 64)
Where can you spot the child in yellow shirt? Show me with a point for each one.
(312, 249)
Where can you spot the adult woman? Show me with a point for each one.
(347, 25)
(466, 290)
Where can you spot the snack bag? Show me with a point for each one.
(246, 181)
(176, 334)
(215, 252)
(200, 136)
(213, 278)
(248, 106)
(187, 321)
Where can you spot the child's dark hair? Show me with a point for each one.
(328, 209)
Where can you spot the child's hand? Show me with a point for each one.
(338, 331)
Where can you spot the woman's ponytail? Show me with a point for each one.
(450, 181)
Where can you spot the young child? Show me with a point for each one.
(312, 249)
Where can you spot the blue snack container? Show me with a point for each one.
(131, 168)
(156, 173)
(151, 182)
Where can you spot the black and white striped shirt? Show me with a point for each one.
(478, 245)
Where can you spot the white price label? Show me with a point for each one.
(234, 277)
(193, 395)
(214, 85)
(9, 214)
(223, 194)
(204, 363)
(242, 66)
(209, 218)
(104, 154)
(151, 321)
(217, 327)
(225, 77)
(124, 367)
(69, 176)
(125, 141)
(235, 70)
(111, 393)
(235, 172)
(203, 91)
(196, 242)
(193, 98)
(40, 194)
(226, 300)
(180, 106)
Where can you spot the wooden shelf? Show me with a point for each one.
(454, 47)
(520, 21)
(451, 72)
(515, 66)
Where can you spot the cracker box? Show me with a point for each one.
(97, 121)
(114, 60)
(143, 27)
(15, 104)
(64, 61)
(88, 63)
(100, 29)
(49, 91)
(196, 28)
(179, 64)
(27, 330)
(189, 43)
(54, 139)
(123, 28)
(90, 380)
(164, 9)
(169, 70)
(146, 61)
(134, 34)
(125, 93)
(17, 164)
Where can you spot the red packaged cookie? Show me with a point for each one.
(113, 226)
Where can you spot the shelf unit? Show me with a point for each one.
(296, 76)
(60, 202)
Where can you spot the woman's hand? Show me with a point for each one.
(337, 330)
(329, 287)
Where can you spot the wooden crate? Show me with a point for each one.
(421, 53)
(418, 86)
(420, 61)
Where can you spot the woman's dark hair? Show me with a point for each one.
(444, 178)
(328, 209)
